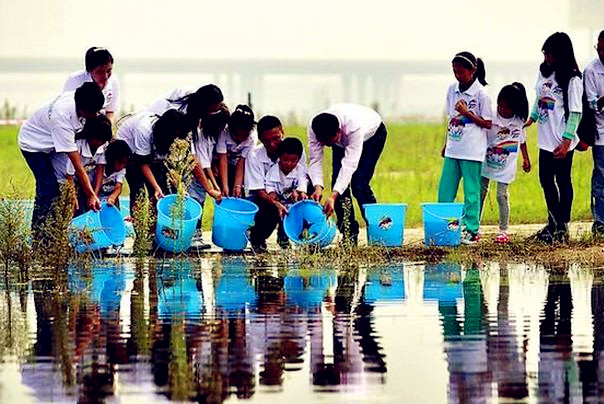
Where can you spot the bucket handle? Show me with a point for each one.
(447, 218)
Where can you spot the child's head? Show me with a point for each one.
(89, 100)
(117, 155)
(170, 126)
(512, 101)
(215, 122)
(290, 151)
(241, 123)
(466, 68)
(270, 133)
(99, 63)
(97, 131)
(600, 46)
(558, 53)
(326, 128)
(203, 101)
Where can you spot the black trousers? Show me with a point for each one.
(555, 179)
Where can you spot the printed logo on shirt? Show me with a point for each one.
(544, 105)
(497, 156)
(456, 127)
(506, 133)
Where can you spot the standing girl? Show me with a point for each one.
(503, 139)
(469, 114)
(557, 110)
(99, 69)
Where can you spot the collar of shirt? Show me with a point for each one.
(473, 90)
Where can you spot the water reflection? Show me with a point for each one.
(215, 329)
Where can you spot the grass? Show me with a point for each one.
(408, 171)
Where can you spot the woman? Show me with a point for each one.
(557, 111)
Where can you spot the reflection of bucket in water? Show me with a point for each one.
(306, 224)
(385, 285)
(179, 292)
(443, 282)
(385, 223)
(175, 234)
(442, 223)
(95, 230)
(235, 291)
(308, 291)
(232, 219)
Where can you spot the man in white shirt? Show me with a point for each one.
(593, 80)
(357, 136)
(48, 134)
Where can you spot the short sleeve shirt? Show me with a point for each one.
(111, 92)
(233, 150)
(137, 132)
(593, 80)
(284, 184)
(503, 141)
(89, 160)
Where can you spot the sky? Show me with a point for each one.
(349, 29)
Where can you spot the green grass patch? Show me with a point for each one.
(408, 171)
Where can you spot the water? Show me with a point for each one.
(226, 329)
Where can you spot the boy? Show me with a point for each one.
(357, 136)
(259, 161)
(47, 138)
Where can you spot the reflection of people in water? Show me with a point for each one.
(507, 360)
(558, 373)
(592, 369)
(465, 345)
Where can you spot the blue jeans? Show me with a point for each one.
(47, 187)
(597, 185)
(361, 189)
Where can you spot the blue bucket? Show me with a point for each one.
(385, 223)
(175, 234)
(95, 230)
(442, 223)
(306, 224)
(232, 219)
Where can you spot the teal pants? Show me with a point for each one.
(453, 171)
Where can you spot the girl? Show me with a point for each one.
(91, 143)
(503, 139)
(150, 137)
(557, 110)
(99, 69)
(232, 148)
(469, 114)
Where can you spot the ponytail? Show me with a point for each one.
(481, 72)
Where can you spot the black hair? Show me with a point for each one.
(97, 56)
(472, 62)
(214, 123)
(242, 118)
(601, 36)
(196, 104)
(565, 65)
(116, 150)
(515, 96)
(89, 97)
(170, 126)
(290, 145)
(325, 126)
(268, 122)
(98, 127)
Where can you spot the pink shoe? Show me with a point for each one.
(502, 238)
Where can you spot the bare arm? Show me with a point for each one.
(223, 172)
(148, 174)
(462, 107)
(239, 171)
(98, 177)
(93, 200)
(112, 199)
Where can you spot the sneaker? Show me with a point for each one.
(598, 231)
(197, 241)
(469, 238)
(561, 235)
(502, 238)
(544, 235)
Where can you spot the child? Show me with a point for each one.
(357, 136)
(503, 138)
(469, 114)
(117, 155)
(99, 69)
(557, 110)
(50, 133)
(257, 165)
(232, 148)
(91, 143)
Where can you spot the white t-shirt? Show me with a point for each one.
(593, 79)
(166, 102)
(137, 132)
(233, 150)
(465, 139)
(357, 124)
(257, 165)
(89, 160)
(52, 127)
(551, 110)
(110, 182)
(203, 149)
(111, 90)
(284, 184)
(503, 141)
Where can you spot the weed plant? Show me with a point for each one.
(14, 232)
(143, 221)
